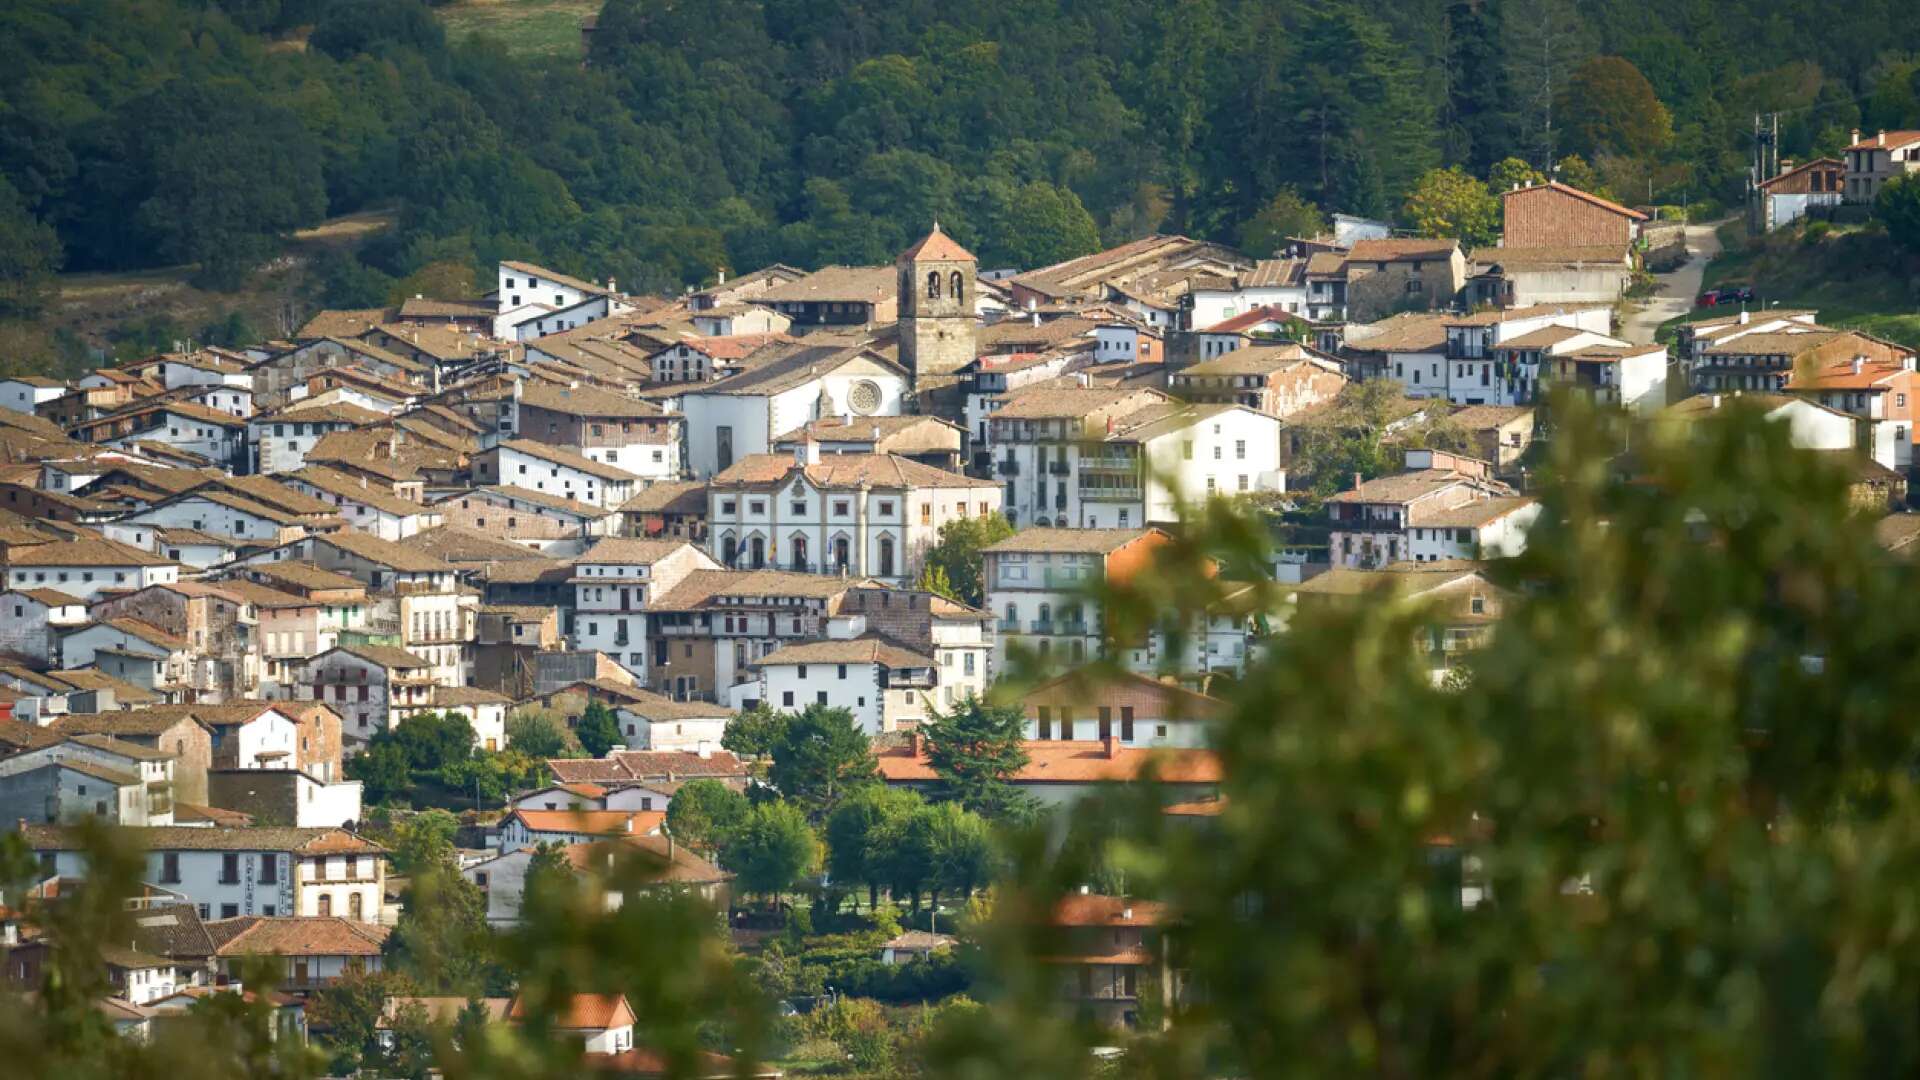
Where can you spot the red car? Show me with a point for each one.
(1732, 294)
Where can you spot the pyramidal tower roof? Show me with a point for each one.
(937, 246)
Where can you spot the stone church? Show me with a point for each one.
(937, 320)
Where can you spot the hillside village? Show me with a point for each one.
(238, 580)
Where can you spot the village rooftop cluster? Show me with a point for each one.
(226, 571)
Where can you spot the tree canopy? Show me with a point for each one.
(820, 756)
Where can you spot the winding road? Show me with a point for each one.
(1678, 289)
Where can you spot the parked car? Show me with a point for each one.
(1709, 298)
(1740, 295)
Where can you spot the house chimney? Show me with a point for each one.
(1035, 316)
(1126, 913)
(915, 743)
(722, 277)
(612, 285)
(1356, 480)
(1882, 139)
(1853, 136)
(808, 451)
(1858, 363)
(1786, 166)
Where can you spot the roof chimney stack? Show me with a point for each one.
(1853, 136)
(1882, 139)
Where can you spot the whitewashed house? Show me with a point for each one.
(741, 415)
(82, 568)
(885, 687)
(25, 393)
(869, 515)
(234, 871)
(1116, 458)
(370, 686)
(31, 621)
(366, 507)
(613, 583)
(538, 467)
(279, 441)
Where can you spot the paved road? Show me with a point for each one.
(1676, 290)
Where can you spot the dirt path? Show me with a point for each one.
(1676, 290)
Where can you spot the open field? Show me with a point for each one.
(527, 27)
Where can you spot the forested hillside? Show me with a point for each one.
(729, 133)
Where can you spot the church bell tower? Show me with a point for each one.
(936, 311)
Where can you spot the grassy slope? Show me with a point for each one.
(1854, 277)
(527, 27)
(95, 306)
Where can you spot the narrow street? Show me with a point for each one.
(1677, 289)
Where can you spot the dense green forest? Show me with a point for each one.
(730, 133)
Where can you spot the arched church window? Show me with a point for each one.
(959, 286)
(933, 284)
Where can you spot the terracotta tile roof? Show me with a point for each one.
(306, 576)
(185, 813)
(1085, 541)
(632, 766)
(1406, 333)
(1253, 360)
(1062, 762)
(628, 550)
(1394, 249)
(1096, 910)
(700, 587)
(1248, 319)
(104, 773)
(1841, 374)
(585, 401)
(172, 930)
(1274, 274)
(1544, 338)
(598, 822)
(1496, 316)
(459, 544)
(568, 459)
(889, 434)
(727, 346)
(857, 284)
(85, 552)
(1584, 196)
(1892, 140)
(544, 274)
(342, 323)
(358, 490)
(319, 935)
(130, 750)
(794, 369)
(129, 722)
(49, 597)
(583, 1012)
(1482, 417)
(843, 472)
(196, 838)
(1401, 487)
(380, 552)
(1068, 402)
(386, 656)
(936, 246)
(446, 697)
(865, 650)
(669, 497)
(539, 498)
(1469, 515)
